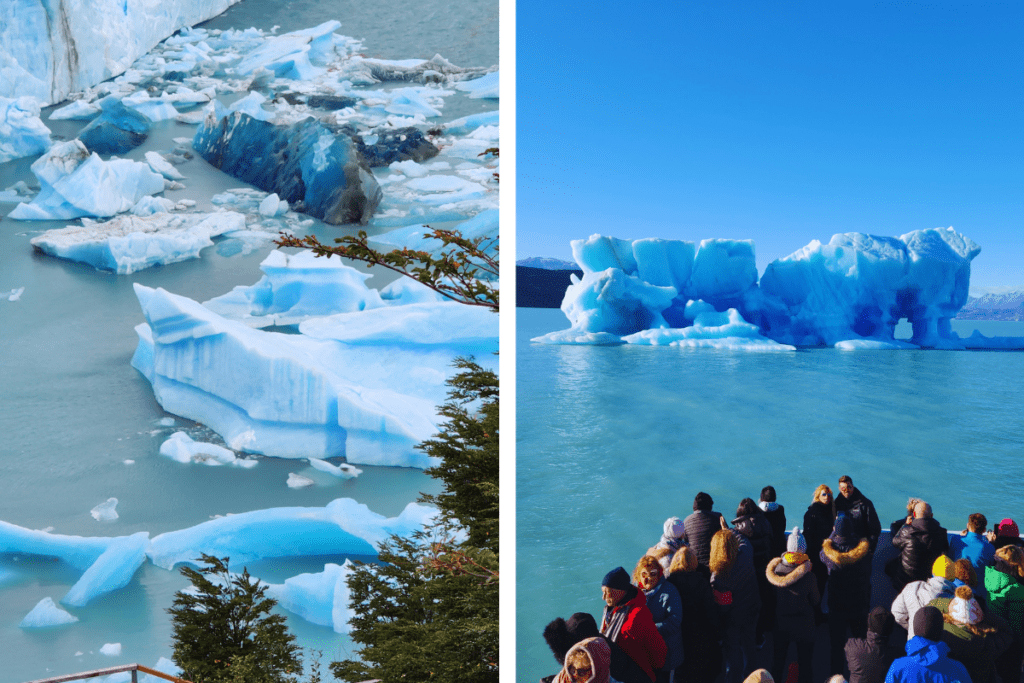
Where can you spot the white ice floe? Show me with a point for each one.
(22, 132)
(183, 449)
(160, 165)
(111, 649)
(342, 527)
(75, 184)
(46, 614)
(130, 243)
(485, 86)
(112, 570)
(320, 598)
(849, 293)
(297, 481)
(483, 225)
(14, 294)
(343, 471)
(105, 511)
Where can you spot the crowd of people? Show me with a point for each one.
(706, 597)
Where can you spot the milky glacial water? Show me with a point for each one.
(611, 441)
(73, 410)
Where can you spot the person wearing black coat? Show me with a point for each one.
(818, 521)
(849, 588)
(699, 527)
(752, 523)
(701, 628)
(868, 658)
(921, 540)
(861, 512)
(561, 634)
(792, 579)
(776, 516)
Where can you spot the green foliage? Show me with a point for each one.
(224, 632)
(429, 610)
(455, 273)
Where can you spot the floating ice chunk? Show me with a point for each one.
(152, 108)
(14, 294)
(483, 87)
(283, 54)
(321, 598)
(343, 527)
(162, 166)
(129, 243)
(411, 102)
(105, 512)
(117, 130)
(147, 206)
(295, 287)
(22, 132)
(75, 184)
(467, 124)
(77, 551)
(979, 341)
(409, 168)
(294, 396)
(451, 324)
(572, 336)
(111, 649)
(77, 110)
(183, 449)
(483, 225)
(129, 462)
(873, 345)
(405, 290)
(302, 162)
(344, 470)
(167, 421)
(273, 205)
(46, 614)
(112, 570)
(297, 481)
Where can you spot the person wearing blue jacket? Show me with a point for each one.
(927, 659)
(972, 545)
(667, 609)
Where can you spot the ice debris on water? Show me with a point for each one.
(46, 614)
(105, 512)
(297, 481)
(22, 132)
(344, 470)
(321, 598)
(14, 294)
(111, 649)
(182, 448)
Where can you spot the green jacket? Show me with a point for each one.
(1006, 594)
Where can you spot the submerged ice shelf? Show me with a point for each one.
(849, 293)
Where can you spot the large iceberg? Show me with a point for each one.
(342, 527)
(321, 598)
(22, 132)
(849, 293)
(49, 49)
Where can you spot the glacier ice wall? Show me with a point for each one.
(856, 288)
(51, 48)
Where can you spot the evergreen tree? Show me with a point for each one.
(224, 624)
(429, 610)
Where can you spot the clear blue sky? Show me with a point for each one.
(779, 124)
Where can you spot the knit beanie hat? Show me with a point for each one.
(796, 542)
(1007, 527)
(582, 625)
(943, 566)
(881, 621)
(964, 609)
(928, 623)
(673, 527)
(844, 527)
(617, 579)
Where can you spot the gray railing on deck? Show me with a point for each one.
(134, 668)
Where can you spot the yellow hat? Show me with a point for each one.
(943, 567)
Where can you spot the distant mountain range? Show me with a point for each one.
(1004, 306)
(541, 283)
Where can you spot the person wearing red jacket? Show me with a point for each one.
(628, 623)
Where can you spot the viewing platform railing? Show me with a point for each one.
(134, 668)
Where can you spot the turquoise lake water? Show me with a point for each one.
(611, 441)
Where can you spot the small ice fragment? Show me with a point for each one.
(297, 481)
(268, 207)
(111, 649)
(345, 471)
(15, 294)
(167, 421)
(45, 614)
(129, 462)
(104, 512)
(79, 653)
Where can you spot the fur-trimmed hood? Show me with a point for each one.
(834, 556)
(786, 580)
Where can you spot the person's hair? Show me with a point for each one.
(746, 508)
(683, 561)
(577, 657)
(817, 492)
(646, 562)
(768, 494)
(911, 504)
(845, 479)
(963, 570)
(982, 628)
(703, 501)
(724, 549)
(977, 522)
(659, 552)
(922, 510)
(1013, 555)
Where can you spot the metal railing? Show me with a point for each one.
(134, 668)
